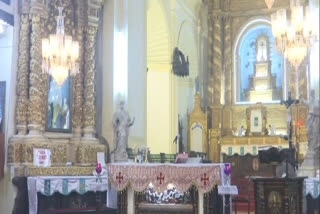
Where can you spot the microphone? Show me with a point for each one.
(177, 137)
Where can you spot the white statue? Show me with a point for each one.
(121, 124)
(272, 131)
(240, 131)
(311, 160)
(313, 127)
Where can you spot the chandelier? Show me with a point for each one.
(293, 37)
(60, 53)
(269, 3)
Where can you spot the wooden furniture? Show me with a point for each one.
(278, 195)
(245, 194)
(197, 128)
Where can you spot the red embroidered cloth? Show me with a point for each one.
(182, 176)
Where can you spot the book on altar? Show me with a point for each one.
(41, 157)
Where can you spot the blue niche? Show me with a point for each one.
(247, 59)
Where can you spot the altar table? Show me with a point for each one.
(137, 177)
(47, 185)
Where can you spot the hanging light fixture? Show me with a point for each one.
(60, 53)
(269, 3)
(293, 37)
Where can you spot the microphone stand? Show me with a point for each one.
(288, 104)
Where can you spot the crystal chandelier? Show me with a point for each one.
(269, 3)
(293, 37)
(60, 53)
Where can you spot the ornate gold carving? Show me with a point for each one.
(10, 153)
(35, 115)
(89, 110)
(197, 116)
(227, 59)
(60, 171)
(210, 61)
(78, 85)
(22, 80)
(292, 80)
(87, 153)
(303, 84)
(214, 145)
(217, 59)
(59, 153)
(68, 13)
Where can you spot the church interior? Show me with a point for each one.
(159, 106)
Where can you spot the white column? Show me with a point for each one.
(137, 70)
(200, 203)
(107, 70)
(130, 198)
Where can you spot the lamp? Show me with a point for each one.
(269, 3)
(293, 37)
(60, 53)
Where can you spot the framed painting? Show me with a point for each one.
(256, 119)
(59, 114)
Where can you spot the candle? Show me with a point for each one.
(227, 169)
(98, 168)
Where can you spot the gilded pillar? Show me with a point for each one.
(22, 76)
(217, 59)
(292, 80)
(214, 145)
(89, 110)
(302, 80)
(78, 89)
(227, 59)
(210, 61)
(36, 102)
(227, 110)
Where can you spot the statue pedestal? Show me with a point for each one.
(116, 158)
(310, 164)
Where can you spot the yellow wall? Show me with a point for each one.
(159, 112)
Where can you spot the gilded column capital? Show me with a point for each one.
(38, 7)
(93, 12)
(24, 7)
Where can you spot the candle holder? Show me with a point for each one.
(227, 172)
(98, 171)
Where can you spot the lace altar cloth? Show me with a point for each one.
(182, 176)
(48, 185)
(312, 187)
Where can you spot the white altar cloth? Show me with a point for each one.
(47, 185)
(312, 187)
